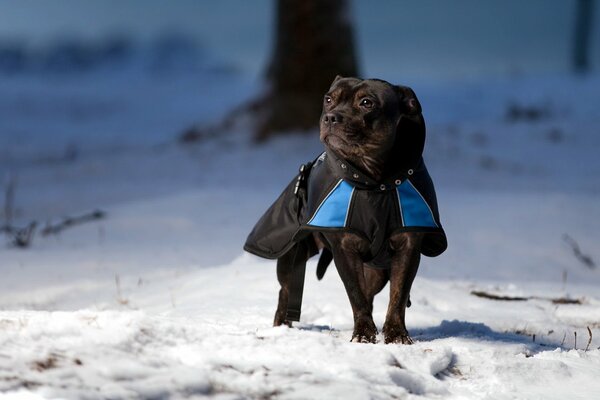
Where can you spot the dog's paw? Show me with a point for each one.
(396, 334)
(399, 339)
(280, 320)
(363, 338)
(364, 332)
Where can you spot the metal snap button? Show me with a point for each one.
(398, 181)
(355, 176)
(410, 171)
(343, 166)
(382, 187)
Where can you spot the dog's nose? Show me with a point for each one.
(332, 118)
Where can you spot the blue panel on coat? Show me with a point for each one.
(415, 211)
(333, 210)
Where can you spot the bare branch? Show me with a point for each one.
(22, 237)
(585, 259)
(71, 221)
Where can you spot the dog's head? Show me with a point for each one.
(373, 124)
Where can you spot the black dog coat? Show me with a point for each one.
(330, 194)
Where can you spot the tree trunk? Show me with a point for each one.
(583, 30)
(314, 42)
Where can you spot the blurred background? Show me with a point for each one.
(112, 73)
(458, 40)
(141, 140)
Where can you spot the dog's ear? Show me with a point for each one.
(410, 132)
(337, 78)
(409, 104)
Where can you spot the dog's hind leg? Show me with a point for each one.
(375, 279)
(405, 263)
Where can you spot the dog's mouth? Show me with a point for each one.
(328, 138)
(338, 143)
(335, 139)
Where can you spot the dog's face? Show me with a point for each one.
(361, 119)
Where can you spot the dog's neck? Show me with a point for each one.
(372, 166)
(368, 165)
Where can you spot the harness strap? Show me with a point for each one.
(297, 257)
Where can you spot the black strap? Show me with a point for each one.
(299, 255)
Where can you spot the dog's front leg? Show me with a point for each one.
(406, 248)
(290, 274)
(347, 250)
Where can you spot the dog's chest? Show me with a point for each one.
(373, 213)
(336, 204)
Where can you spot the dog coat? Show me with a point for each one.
(330, 194)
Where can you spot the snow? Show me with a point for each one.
(158, 300)
(198, 334)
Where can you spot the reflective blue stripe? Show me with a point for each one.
(333, 210)
(415, 210)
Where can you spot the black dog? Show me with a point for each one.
(368, 200)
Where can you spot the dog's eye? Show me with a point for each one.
(328, 99)
(367, 103)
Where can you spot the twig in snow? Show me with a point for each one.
(585, 259)
(71, 221)
(20, 237)
(575, 346)
(560, 300)
(563, 341)
(48, 363)
(120, 298)
(486, 295)
(590, 339)
(555, 300)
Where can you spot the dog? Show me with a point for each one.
(367, 202)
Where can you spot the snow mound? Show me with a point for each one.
(129, 354)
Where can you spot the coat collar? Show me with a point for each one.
(347, 171)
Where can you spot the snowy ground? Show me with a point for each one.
(158, 300)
